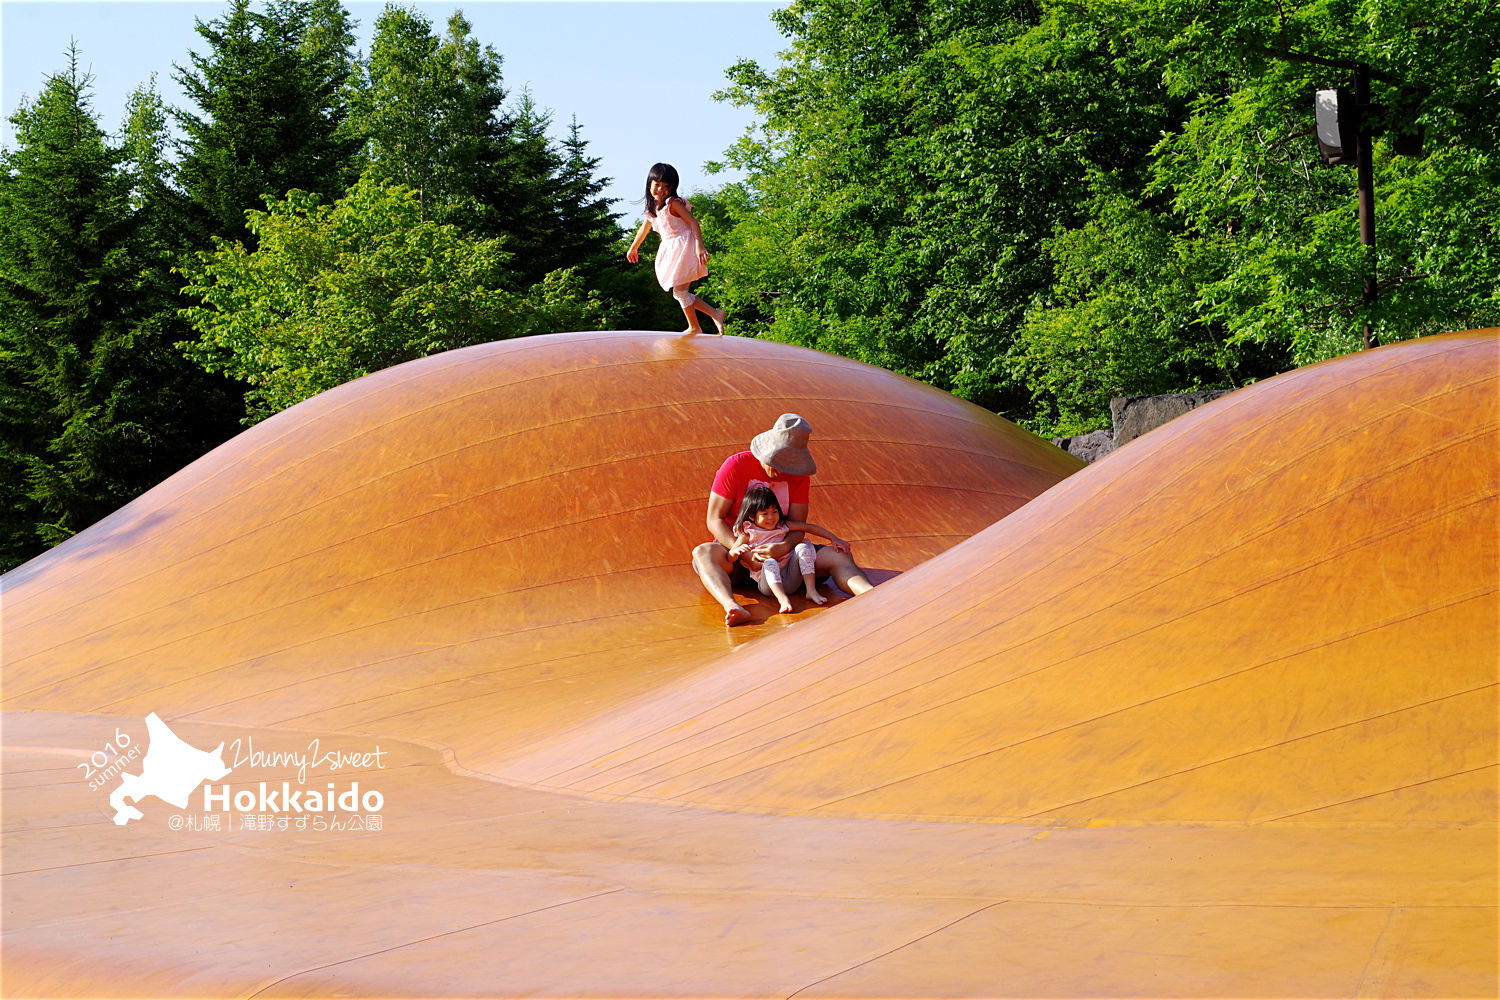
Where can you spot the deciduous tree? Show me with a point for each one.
(333, 292)
(912, 159)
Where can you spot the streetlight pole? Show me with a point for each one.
(1346, 134)
(1365, 171)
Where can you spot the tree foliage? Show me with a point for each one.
(913, 157)
(333, 292)
(1121, 316)
(1042, 205)
(432, 115)
(1244, 164)
(271, 97)
(95, 405)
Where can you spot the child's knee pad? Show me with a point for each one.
(684, 297)
(807, 557)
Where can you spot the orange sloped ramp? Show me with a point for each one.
(1214, 717)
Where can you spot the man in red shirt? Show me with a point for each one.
(778, 458)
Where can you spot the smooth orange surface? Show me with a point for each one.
(1213, 717)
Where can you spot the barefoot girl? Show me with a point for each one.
(761, 522)
(681, 259)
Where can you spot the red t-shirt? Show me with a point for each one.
(742, 471)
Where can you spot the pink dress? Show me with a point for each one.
(677, 259)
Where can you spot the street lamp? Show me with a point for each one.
(1346, 126)
(1349, 127)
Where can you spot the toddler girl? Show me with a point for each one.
(761, 522)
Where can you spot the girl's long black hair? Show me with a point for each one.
(660, 172)
(757, 499)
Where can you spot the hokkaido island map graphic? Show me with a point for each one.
(171, 771)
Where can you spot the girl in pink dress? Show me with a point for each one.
(681, 259)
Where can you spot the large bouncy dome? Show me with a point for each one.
(1215, 716)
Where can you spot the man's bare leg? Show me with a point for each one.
(840, 565)
(713, 565)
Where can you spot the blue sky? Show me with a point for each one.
(638, 75)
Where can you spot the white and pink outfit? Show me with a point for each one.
(773, 570)
(678, 259)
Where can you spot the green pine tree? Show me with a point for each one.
(588, 227)
(95, 404)
(433, 116)
(271, 94)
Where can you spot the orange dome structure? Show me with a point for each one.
(1215, 716)
(405, 554)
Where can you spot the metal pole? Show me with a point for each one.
(1366, 176)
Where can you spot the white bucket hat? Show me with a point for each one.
(784, 446)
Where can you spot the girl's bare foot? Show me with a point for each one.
(786, 606)
(693, 330)
(718, 316)
(816, 597)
